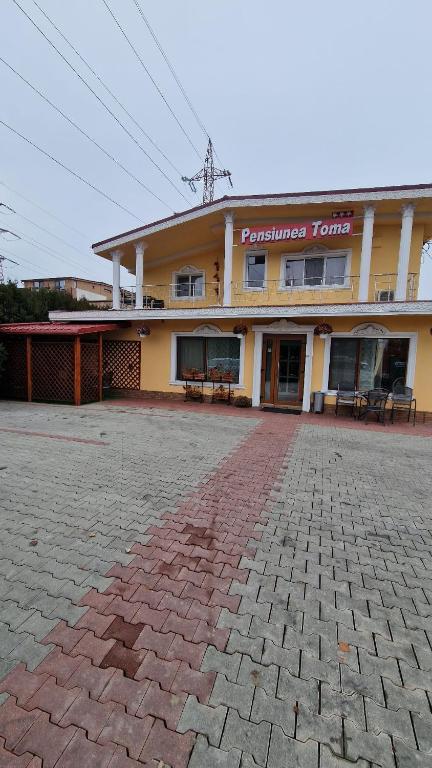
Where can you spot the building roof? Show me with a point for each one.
(231, 201)
(56, 329)
(67, 277)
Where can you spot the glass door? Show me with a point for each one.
(283, 370)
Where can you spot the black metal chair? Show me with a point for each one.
(402, 400)
(346, 398)
(374, 401)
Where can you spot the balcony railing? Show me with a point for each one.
(172, 296)
(382, 288)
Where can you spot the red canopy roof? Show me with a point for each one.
(56, 329)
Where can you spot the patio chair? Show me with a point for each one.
(403, 400)
(374, 401)
(346, 397)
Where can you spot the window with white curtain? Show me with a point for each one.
(327, 269)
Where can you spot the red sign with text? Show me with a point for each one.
(306, 230)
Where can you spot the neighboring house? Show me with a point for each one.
(279, 266)
(78, 287)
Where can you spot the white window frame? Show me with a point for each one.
(210, 332)
(254, 252)
(188, 272)
(371, 331)
(315, 253)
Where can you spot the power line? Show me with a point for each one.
(174, 74)
(69, 170)
(108, 90)
(50, 251)
(171, 69)
(44, 210)
(78, 128)
(105, 106)
(146, 70)
(43, 229)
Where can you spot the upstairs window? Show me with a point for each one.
(255, 270)
(325, 269)
(37, 284)
(188, 285)
(59, 285)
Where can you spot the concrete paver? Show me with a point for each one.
(195, 588)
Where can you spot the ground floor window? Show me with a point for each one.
(367, 363)
(201, 354)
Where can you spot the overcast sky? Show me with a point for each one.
(296, 96)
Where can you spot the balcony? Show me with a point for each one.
(382, 288)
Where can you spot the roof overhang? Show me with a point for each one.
(67, 328)
(339, 196)
(401, 308)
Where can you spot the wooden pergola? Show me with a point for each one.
(58, 362)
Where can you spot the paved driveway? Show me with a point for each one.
(182, 588)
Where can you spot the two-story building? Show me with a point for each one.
(77, 287)
(244, 285)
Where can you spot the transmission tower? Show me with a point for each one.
(208, 174)
(2, 274)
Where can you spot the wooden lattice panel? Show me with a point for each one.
(53, 371)
(89, 371)
(13, 380)
(122, 360)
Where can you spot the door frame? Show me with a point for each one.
(276, 340)
(284, 327)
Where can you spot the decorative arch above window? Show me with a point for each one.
(188, 283)
(207, 330)
(369, 330)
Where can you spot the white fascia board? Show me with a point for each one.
(232, 202)
(219, 313)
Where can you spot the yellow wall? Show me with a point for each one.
(158, 280)
(385, 254)
(156, 351)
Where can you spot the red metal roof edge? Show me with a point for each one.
(55, 329)
(229, 198)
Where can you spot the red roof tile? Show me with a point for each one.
(56, 329)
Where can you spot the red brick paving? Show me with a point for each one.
(112, 691)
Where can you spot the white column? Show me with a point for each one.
(404, 252)
(116, 260)
(366, 252)
(229, 238)
(139, 273)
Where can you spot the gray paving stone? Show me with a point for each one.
(398, 697)
(205, 755)
(382, 720)
(253, 647)
(209, 721)
(259, 675)
(423, 730)
(409, 758)
(217, 661)
(272, 710)
(367, 746)
(285, 752)
(236, 696)
(348, 705)
(249, 737)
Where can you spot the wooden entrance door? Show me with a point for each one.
(282, 370)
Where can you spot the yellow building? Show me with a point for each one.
(279, 266)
